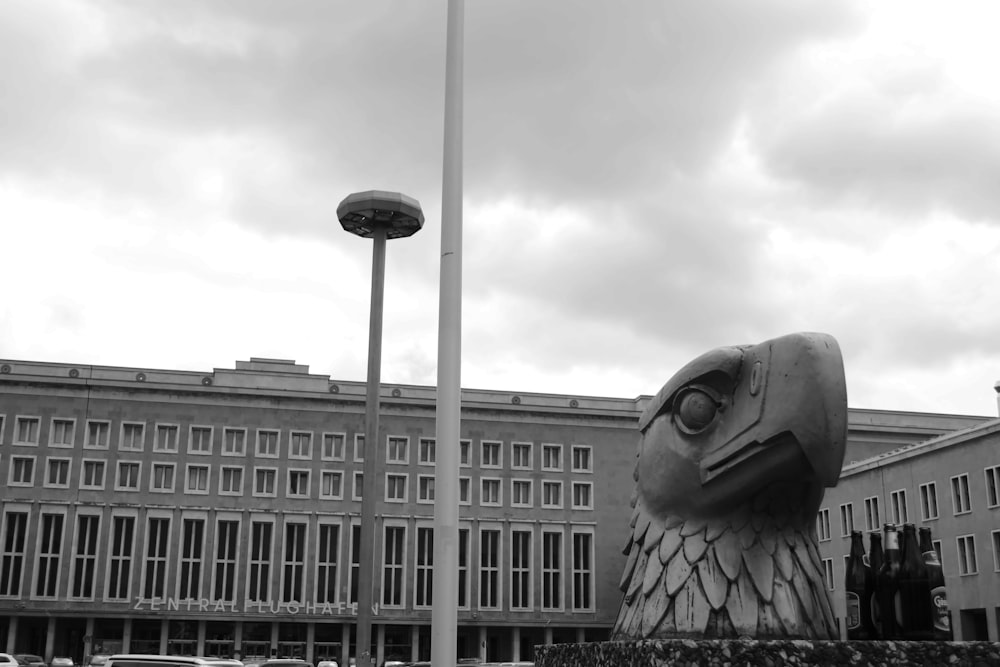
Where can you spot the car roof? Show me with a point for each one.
(149, 660)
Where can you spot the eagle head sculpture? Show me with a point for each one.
(734, 455)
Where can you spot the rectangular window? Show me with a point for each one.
(157, 551)
(197, 479)
(326, 563)
(12, 557)
(828, 573)
(49, 549)
(425, 567)
(583, 495)
(120, 567)
(846, 519)
(231, 481)
(298, 483)
(331, 485)
(425, 488)
(552, 457)
(264, 482)
(520, 455)
(551, 570)
(928, 501)
(98, 433)
(397, 449)
(162, 479)
(427, 454)
(583, 571)
(300, 445)
(520, 493)
(581, 459)
(267, 443)
(227, 542)
(359, 447)
(465, 453)
(85, 556)
(234, 442)
(359, 486)
(192, 544)
(392, 566)
(260, 561)
(395, 488)
(872, 520)
(293, 577)
(26, 430)
(967, 564)
(490, 492)
(128, 476)
(57, 473)
(464, 491)
(520, 569)
(463, 568)
(93, 475)
(133, 437)
(823, 525)
(996, 550)
(961, 501)
(491, 457)
(166, 438)
(992, 486)
(22, 470)
(552, 494)
(61, 433)
(333, 446)
(201, 440)
(489, 569)
(355, 563)
(897, 501)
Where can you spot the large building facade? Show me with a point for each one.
(219, 513)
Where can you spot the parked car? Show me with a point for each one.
(61, 661)
(98, 659)
(7, 660)
(285, 662)
(29, 660)
(327, 662)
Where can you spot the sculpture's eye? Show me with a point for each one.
(695, 409)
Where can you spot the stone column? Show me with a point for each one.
(414, 643)
(201, 638)
(515, 640)
(482, 643)
(991, 623)
(310, 641)
(50, 638)
(164, 636)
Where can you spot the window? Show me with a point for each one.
(300, 445)
(98, 433)
(520, 455)
(359, 486)
(201, 440)
(967, 564)
(551, 494)
(197, 479)
(581, 459)
(551, 457)
(93, 474)
(393, 557)
(331, 485)
(520, 493)
(520, 569)
(85, 556)
(128, 476)
(259, 571)
(872, 519)
(62, 432)
(897, 501)
(192, 542)
(465, 453)
(1, 428)
(489, 568)
(960, 500)
(352, 588)
(12, 555)
(823, 524)
(133, 435)
(264, 483)
(425, 488)
(828, 573)
(231, 481)
(267, 444)
(463, 568)
(551, 570)
(163, 477)
(424, 585)
(359, 447)
(154, 573)
(491, 457)
(234, 442)
(22, 470)
(395, 488)
(166, 438)
(996, 550)
(397, 449)
(464, 491)
(120, 567)
(333, 446)
(293, 575)
(57, 473)
(26, 430)
(227, 541)
(490, 491)
(298, 484)
(49, 549)
(583, 496)
(427, 451)
(846, 519)
(583, 571)
(992, 486)
(928, 501)
(326, 563)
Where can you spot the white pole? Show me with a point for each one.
(444, 615)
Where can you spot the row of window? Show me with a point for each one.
(965, 547)
(297, 483)
(516, 568)
(201, 440)
(961, 503)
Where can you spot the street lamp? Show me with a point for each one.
(380, 216)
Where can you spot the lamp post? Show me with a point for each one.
(380, 216)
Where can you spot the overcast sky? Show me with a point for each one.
(644, 181)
